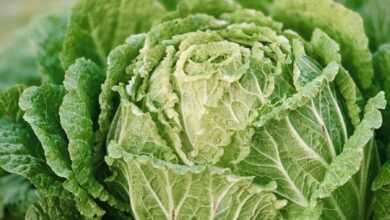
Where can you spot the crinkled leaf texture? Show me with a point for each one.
(20, 150)
(22, 153)
(41, 105)
(342, 24)
(217, 112)
(227, 87)
(160, 190)
(381, 185)
(50, 208)
(78, 116)
(376, 19)
(117, 63)
(262, 5)
(96, 27)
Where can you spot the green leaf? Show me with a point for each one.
(376, 19)
(78, 115)
(9, 103)
(216, 104)
(16, 195)
(262, 5)
(274, 111)
(382, 69)
(48, 208)
(205, 109)
(183, 192)
(383, 178)
(340, 23)
(302, 98)
(20, 151)
(118, 60)
(84, 203)
(169, 4)
(328, 50)
(41, 105)
(348, 163)
(285, 133)
(381, 186)
(250, 16)
(354, 4)
(153, 52)
(211, 7)
(137, 132)
(96, 27)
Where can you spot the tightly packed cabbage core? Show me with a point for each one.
(195, 94)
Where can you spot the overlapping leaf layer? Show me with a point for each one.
(208, 111)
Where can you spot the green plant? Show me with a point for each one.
(200, 110)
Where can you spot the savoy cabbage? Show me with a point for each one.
(199, 109)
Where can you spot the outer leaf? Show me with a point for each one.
(20, 152)
(42, 113)
(376, 19)
(356, 191)
(382, 182)
(211, 7)
(170, 4)
(49, 208)
(328, 50)
(349, 161)
(262, 5)
(300, 99)
(9, 103)
(16, 195)
(382, 69)
(340, 23)
(118, 60)
(182, 192)
(83, 201)
(41, 105)
(381, 186)
(354, 4)
(383, 178)
(78, 113)
(96, 27)
(281, 147)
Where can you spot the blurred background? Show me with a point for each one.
(24, 25)
(17, 13)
